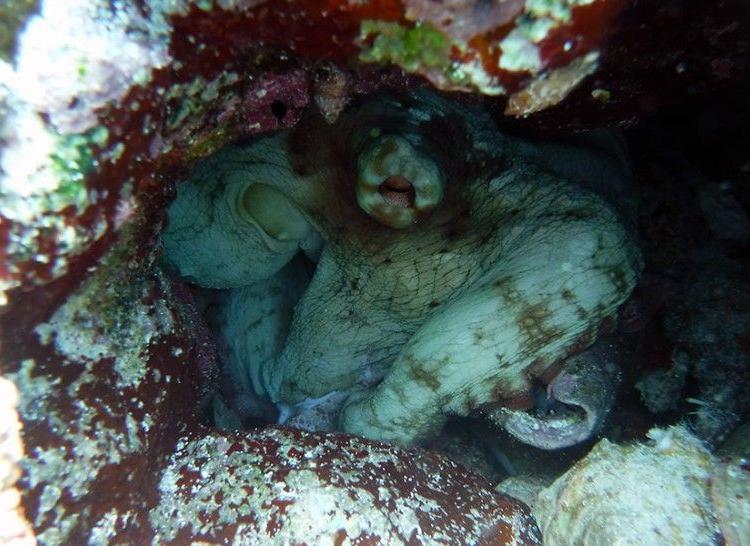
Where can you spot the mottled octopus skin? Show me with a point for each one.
(515, 269)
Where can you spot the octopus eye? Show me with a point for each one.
(227, 230)
(273, 213)
(396, 184)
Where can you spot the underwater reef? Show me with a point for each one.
(348, 272)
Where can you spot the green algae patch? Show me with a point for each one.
(111, 315)
(411, 48)
(72, 160)
(208, 143)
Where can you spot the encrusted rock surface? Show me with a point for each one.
(667, 490)
(288, 486)
(637, 494)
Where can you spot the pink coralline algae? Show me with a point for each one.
(464, 19)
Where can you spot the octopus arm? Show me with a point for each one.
(337, 339)
(532, 308)
(254, 324)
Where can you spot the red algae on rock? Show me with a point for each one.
(288, 486)
(463, 19)
(496, 48)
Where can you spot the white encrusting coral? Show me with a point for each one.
(14, 529)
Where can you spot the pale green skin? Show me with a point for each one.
(516, 266)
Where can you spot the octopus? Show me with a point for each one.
(408, 263)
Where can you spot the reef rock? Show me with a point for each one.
(670, 491)
(288, 486)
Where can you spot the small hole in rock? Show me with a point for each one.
(278, 109)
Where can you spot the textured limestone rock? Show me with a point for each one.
(656, 493)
